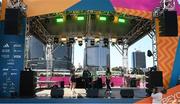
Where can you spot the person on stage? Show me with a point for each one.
(72, 82)
(108, 78)
(156, 96)
(86, 77)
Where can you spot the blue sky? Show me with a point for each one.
(116, 59)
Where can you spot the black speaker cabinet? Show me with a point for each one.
(155, 79)
(127, 93)
(92, 92)
(27, 84)
(12, 23)
(168, 23)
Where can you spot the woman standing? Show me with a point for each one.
(72, 82)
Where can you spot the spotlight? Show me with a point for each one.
(113, 40)
(80, 18)
(86, 40)
(97, 39)
(149, 53)
(59, 20)
(119, 41)
(71, 40)
(63, 39)
(79, 39)
(92, 42)
(56, 40)
(106, 42)
(80, 43)
(102, 18)
(121, 20)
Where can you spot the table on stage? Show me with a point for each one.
(48, 83)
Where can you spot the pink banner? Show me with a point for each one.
(145, 5)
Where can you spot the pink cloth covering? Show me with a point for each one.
(116, 80)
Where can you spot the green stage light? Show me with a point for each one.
(102, 18)
(80, 18)
(59, 20)
(121, 20)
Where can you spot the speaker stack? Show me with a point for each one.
(168, 23)
(127, 93)
(27, 84)
(12, 23)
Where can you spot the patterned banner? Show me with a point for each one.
(11, 62)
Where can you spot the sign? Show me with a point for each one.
(11, 62)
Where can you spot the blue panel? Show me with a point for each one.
(176, 69)
(11, 61)
(100, 5)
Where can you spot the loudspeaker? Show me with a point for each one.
(57, 92)
(155, 79)
(12, 21)
(27, 84)
(92, 92)
(127, 93)
(168, 24)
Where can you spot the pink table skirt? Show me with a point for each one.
(116, 80)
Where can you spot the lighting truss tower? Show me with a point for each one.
(49, 60)
(125, 55)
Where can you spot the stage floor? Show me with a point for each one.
(43, 96)
(115, 93)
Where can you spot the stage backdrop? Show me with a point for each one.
(11, 61)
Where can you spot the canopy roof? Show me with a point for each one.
(142, 8)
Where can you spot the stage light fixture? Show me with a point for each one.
(121, 20)
(97, 39)
(56, 40)
(80, 18)
(59, 20)
(102, 18)
(86, 40)
(63, 39)
(113, 40)
(92, 42)
(80, 43)
(106, 42)
(71, 40)
(119, 41)
(80, 40)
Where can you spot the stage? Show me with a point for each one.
(81, 93)
(80, 97)
(77, 101)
